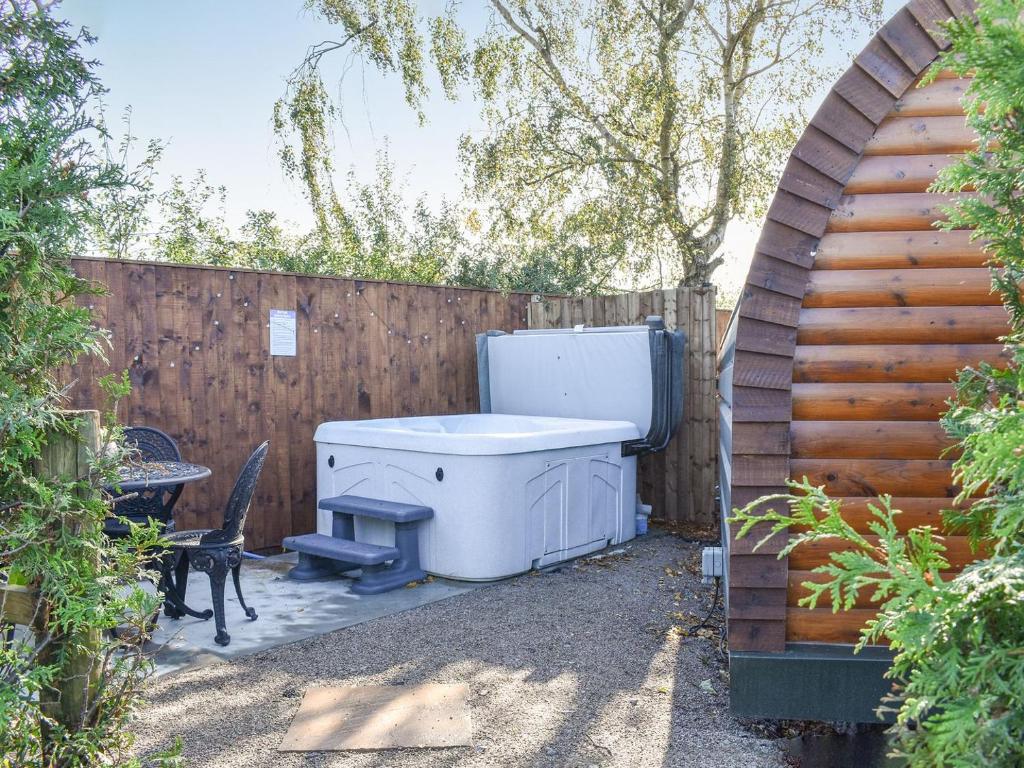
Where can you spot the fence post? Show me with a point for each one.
(67, 456)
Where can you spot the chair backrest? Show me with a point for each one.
(241, 496)
(152, 445)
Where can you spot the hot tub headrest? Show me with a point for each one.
(621, 373)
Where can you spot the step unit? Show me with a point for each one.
(383, 568)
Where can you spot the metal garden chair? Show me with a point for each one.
(158, 503)
(214, 552)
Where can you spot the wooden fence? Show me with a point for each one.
(195, 341)
(680, 482)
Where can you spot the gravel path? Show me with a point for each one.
(585, 666)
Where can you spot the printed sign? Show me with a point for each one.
(282, 332)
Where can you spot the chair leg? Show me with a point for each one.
(218, 576)
(235, 574)
(178, 608)
(180, 585)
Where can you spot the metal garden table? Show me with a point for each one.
(147, 475)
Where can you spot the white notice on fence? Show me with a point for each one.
(282, 332)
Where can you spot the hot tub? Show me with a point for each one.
(509, 492)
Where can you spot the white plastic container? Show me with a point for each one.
(509, 493)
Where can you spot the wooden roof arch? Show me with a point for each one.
(810, 194)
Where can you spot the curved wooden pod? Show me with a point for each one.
(855, 317)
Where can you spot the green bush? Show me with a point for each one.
(958, 673)
(51, 529)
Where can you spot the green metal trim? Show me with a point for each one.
(809, 681)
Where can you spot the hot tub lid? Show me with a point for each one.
(475, 434)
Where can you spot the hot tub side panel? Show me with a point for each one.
(494, 515)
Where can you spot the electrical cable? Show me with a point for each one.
(714, 606)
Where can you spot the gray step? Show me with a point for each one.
(394, 511)
(340, 549)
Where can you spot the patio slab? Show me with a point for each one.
(288, 611)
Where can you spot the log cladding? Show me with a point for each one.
(856, 316)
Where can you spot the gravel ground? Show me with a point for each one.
(585, 666)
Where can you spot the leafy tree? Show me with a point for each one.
(51, 529)
(958, 672)
(620, 132)
(119, 216)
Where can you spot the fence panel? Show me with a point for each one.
(679, 483)
(196, 344)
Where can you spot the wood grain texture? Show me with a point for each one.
(810, 555)
(900, 135)
(823, 626)
(898, 250)
(195, 343)
(959, 286)
(906, 173)
(887, 212)
(888, 363)
(871, 477)
(868, 439)
(940, 98)
(902, 325)
(871, 402)
(914, 511)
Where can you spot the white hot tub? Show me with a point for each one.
(546, 473)
(509, 493)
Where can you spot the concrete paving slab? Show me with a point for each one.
(288, 611)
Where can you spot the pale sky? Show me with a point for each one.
(203, 76)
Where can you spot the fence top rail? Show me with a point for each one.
(218, 268)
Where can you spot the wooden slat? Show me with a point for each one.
(756, 404)
(770, 338)
(871, 477)
(914, 511)
(18, 605)
(902, 325)
(884, 66)
(767, 305)
(843, 122)
(909, 41)
(922, 136)
(823, 626)
(757, 635)
(761, 438)
(778, 276)
(897, 173)
(753, 369)
(930, 14)
(757, 572)
(757, 604)
(822, 151)
(811, 554)
(759, 469)
(903, 402)
(898, 250)
(902, 211)
(900, 288)
(937, 99)
(868, 439)
(889, 363)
